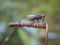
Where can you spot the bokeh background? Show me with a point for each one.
(15, 10)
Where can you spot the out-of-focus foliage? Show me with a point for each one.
(15, 10)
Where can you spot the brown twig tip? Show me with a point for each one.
(27, 24)
(46, 41)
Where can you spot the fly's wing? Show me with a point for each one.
(31, 17)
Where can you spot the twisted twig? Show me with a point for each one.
(27, 24)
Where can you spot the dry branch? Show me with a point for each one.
(27, 24)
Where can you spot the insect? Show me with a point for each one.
(37, 17)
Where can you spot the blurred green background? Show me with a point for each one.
(15, 10)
